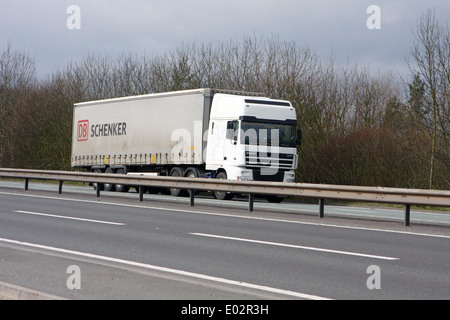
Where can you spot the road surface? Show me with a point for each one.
(115, 247)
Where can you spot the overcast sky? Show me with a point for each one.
(337, 27)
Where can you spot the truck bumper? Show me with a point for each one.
(255, 174)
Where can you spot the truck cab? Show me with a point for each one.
(252, 138)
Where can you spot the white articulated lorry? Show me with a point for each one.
(193, 133)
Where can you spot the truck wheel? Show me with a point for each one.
(102, 187)
(121, 187)
(109, 186)
(176, 192)
(191, 173)
(222, 195)
(274, 199)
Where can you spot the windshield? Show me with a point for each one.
(268, 134)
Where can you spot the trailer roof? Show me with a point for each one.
(204, 91)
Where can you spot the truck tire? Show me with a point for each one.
(121, 187)
(274, 199)
(191, 173)
(109, 186)
(176, 192)
(222, 195)
(102, 187)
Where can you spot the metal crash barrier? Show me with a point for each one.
(406, 197)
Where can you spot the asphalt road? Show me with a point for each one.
(125, 249)
(367, 212)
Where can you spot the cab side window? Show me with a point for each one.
(232, 129)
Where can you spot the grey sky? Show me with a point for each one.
(111, 27)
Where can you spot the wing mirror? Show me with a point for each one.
(299, 137)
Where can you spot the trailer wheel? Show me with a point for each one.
(102, 187)
(222, 195)
(274, 199)
(121, 187)
(109, 186)
(191, 173)
(176, 192)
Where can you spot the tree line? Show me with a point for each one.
(359, 128)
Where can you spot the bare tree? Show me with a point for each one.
(350, 117)
(17, 74)
(430, 54)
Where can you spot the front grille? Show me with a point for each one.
(256, 159)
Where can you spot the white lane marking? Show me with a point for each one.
(71, 218)
(169, 270)
(296, 246)
(373, 210)
(319, 224)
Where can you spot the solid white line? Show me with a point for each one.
(297, 246)
(169, 270)
(71, 218)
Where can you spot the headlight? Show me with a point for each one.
(289, 177)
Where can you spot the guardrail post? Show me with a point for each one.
(60, 187)
(141, 193)
(251, 199)
(407, 215)
(191, 198)
(26, 184)
(321, 208)
(97, 189)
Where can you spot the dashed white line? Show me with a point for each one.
(297, 246)
(70, 218)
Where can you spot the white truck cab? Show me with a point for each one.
(252, 138)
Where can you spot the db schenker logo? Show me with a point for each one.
(83, 130)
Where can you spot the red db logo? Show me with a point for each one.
(83, 130)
